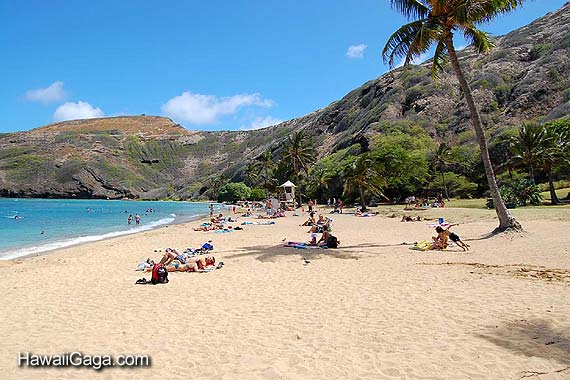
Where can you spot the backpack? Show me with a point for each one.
(332, 242)
(159, 274)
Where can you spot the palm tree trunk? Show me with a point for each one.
(444, 185)
(506, 220)
(553, 197)
(362, 199)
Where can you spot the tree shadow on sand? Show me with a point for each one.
(271, 253)
(532, 338)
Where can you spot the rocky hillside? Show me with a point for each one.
(527, 76)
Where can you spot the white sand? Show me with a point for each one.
(372, 309)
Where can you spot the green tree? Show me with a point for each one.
(257, 194)
(528, 148)
(299, 155)
(364, 175)
(264, 165)
(556, 151)
(435, 22)
(319, 178)
(251, 172)
(215, 184)
(234, 191)
(441, 158)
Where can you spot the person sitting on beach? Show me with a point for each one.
(328, 240)
(439, 241)
(453, 236)
(320, 225)
(310, 221)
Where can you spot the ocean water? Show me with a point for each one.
(29, 226)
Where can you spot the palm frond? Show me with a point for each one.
(410, 41)
(439, 60)
(479, 39)
(411, 8)
(482, 11)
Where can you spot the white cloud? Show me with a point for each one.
(79, 110)
(356, 51)
(261, 122)
(51, 94)
(206, 109)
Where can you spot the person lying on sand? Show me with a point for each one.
(361, 214)
(211, 227)
(410, 219)
(193, 265)
(171, 254)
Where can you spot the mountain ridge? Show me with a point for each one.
(526, 77)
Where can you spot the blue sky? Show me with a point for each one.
(209, 65)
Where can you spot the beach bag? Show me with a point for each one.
(332, 242)
(159, 274)
(207, 246)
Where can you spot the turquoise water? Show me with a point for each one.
(29, 226)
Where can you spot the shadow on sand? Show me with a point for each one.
(271, 253)
(533, 338)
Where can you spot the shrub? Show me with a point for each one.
(538, 51)
(234, 191)
(257, 194)
(519, 193)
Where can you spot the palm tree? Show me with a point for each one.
(528, 147)
(265, 166)
(215, 184)
(556, 152)
(251, 173)
(442, 157)
(319, 179)
(435, 22)
(299, 154)
(363, 175)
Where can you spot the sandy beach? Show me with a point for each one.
(371, 309)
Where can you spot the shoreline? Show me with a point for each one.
(90, 240)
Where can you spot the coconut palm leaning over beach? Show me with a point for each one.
(435, 22)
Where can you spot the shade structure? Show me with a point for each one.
(288, 184)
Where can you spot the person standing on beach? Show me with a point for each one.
(310, 204)
(340, 205)
(211, 210)
(137, 219)
(130, 219)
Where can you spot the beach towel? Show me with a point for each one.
(442, 225)
(300, 245)
(257, 223)
(423, 245)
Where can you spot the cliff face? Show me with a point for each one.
(526, 76)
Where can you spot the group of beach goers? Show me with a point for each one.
(320, 230)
